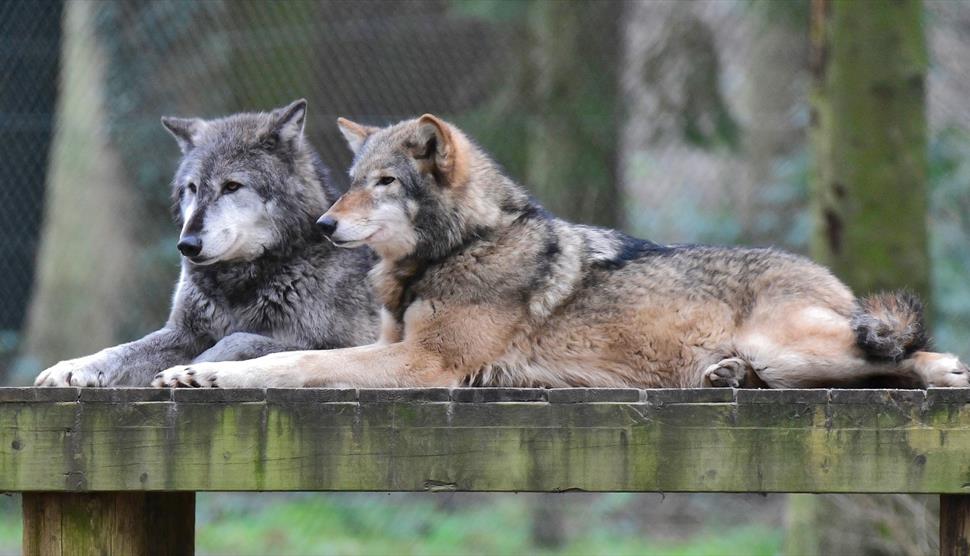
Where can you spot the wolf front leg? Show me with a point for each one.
(442, 345)
(131, 364)
(373, 366)
(240, 346)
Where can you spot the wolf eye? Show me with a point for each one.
(386, 180)
(191, 187)
(231, 186)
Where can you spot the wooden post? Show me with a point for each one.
(109, 523)
(955, 525)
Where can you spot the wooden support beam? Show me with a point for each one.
(114, 471)
(955, 525)
(109, 523)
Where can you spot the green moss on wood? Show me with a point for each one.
(802, 447)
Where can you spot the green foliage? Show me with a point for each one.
(552, 121)
(685, 220)
(494, 11)
(725, 131)
(403, 524)
(949, 160)
(11, 526)
(413, 524)
(782, 213)
(794, 14)
(507, 143)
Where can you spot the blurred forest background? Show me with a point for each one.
(834, 128)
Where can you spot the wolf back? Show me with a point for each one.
(481, 286)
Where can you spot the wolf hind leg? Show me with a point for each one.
(811, 370)
(781, 366)
(806, 346)
(937, 369)
(731, 372)
(803, 345)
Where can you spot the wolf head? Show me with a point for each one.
(417, 187)
(247, 184)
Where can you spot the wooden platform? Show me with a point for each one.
(143, 441)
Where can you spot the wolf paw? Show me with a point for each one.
(187, 376)
(727, 373)
(71, 373)
(946, 371)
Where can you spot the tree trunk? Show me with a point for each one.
(573, 138)
(548, 528)
(85, 248)
(571, 141)
(870, 200)
(870, 139)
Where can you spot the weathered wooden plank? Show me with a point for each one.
(498, 440)
(122, 523)
(593, 395)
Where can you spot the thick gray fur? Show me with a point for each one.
(287, 289)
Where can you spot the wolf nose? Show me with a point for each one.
(328, 224)
(190, 246)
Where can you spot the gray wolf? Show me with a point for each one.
(480, 286)
(257, 275)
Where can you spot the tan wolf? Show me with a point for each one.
(480, 286)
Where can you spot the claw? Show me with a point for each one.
(727, 373)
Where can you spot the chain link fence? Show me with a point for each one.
(704, 138)
(692, 117)
(29, 63)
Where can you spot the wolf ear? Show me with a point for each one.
(439, 151)
(288, 121)
(185, 130)
(354, 133)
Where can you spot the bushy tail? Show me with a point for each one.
(890, 325)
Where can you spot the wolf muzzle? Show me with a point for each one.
(327, 224)
(190, 246)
